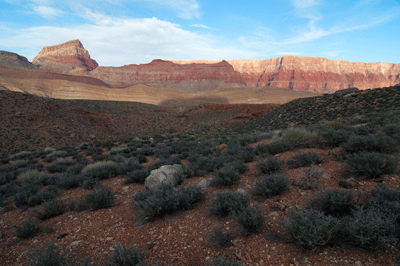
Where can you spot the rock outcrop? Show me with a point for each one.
(166, 173)
(312, 73)
(67, 58)
(160, 73)
(14, 60)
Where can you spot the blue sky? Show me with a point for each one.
(119, 32)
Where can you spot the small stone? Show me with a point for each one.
(279, 206)
(92, 136)
(358, 263)
(273, 214)
(75, 243)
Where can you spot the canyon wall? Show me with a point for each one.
(160, 73)
(312, 73)
(296, 73)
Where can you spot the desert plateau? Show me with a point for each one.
(282, 161)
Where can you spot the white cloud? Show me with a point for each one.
(47, 12)
(115, 42)
(200, 26)
(304, 3)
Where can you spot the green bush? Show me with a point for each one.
(227, 203)
(334, 138)
(251, 220)
(101, 170)
(333, 202)
(276, 147)
(370, 143)
(370, 228)
(272, 165)
(371, 164)
(94, 151)
(125, 256)
(137, 176)
(165, 199)
(100, 198)
(60, 165)
(311, 228)
(303, 159)
(55, 155)
(29, 176)
(301, 137)
(69, 180)
(226, 176)
(51, 209)
(24, 155)
(310, 178)
(51, 256)
(220, 238)
(247, 154)
(271, 185)
(27, 230)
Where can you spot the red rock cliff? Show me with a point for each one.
(312, 73)
(160, 73)
(68, 58)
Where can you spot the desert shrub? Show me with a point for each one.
(29, 176)
(310, 178)
(84, 146)
(55, 155)
(224, 261)
(125, 256)
(226, 176)
(51, 256)
(24, 155)
(190, 196)
(271, 185)
(303, 159)
(193, 157)
(49, 193)
(69, 180)
(311, 228)
(272, 165)
(129, 165)
(27, 230)
(227, 203)
(146, 150)
(370, 228)
(27, 197)
(221, 239)
(136, 176)
(251, 220)
(393, 130)
(90, 183)
(301, 137)
(333, 202)
(60, 165)
(247, 154)
(335, 125)
(76, 169)
(101, 197)
(101, 170)
(119, 150)
(371, 164)
(334, 138)
(370, 143)
(107, 144)
(276, 147)
(240, 166)
(165, 199)
(51, 209)
(162, 153)
(93, 151)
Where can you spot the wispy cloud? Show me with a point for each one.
(47, 12)
(201, 26)
(186, 9)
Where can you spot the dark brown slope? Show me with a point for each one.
(30, 122)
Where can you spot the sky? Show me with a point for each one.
(121, 32)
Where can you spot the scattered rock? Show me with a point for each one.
(279, 206)
(273, 214)
(92, 136)
(76, 243)
(204, 183)
(358, 263)
(166, 173)
(348, 183)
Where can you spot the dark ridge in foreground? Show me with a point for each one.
(308, 111)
